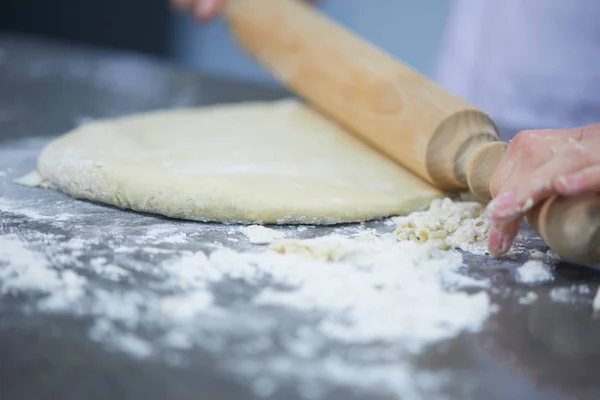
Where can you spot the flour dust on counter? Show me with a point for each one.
(263, 163)
(401, 286)
(596, 301)
(354, 286)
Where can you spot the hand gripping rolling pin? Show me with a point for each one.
(437, 136)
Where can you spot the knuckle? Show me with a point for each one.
(523, 137)
(580, 151)
(523, 143)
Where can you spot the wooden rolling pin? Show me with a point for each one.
(436, 135)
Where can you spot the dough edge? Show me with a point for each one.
(115, 187)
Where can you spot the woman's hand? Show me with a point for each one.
(537, 165)
(201, 9)
(204, 9)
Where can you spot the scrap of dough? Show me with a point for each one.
(258, 234)
(447, 224)
(32, 179)
(275, 162)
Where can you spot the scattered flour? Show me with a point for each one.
(596, 302)
(258, 234)
(570, 294)
(24, 270)
(12, 207)
(102, 267)
(529, 298)
(549, 255)
(364, 290)
(331, 273)
(534, 271)
(447, 224)
(561, 295)
(326, 274)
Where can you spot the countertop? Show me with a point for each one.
(548, 349)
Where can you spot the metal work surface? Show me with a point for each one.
(548, 349)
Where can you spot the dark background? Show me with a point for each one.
(138, 25)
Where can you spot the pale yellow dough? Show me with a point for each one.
(276, 162)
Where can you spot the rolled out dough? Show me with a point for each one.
(276, 162)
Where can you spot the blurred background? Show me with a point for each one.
(408, 29)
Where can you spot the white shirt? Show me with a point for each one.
(528, 63)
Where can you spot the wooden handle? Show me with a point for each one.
(390, 106)
(575, 235)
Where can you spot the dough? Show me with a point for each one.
(276, 162)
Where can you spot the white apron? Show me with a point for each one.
(528, 63)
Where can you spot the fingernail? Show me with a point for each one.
(502, 207)
(499, 243)
(569, 184)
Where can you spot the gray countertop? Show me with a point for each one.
(545, 350)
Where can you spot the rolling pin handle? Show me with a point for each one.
(481, 166)
(570, 227)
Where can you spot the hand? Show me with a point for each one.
(201, 9)
(204, 9)
(536, 166)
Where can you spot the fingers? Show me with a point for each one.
(208, 9)
(527, 151)
(528, 188)
(502, 237)
(580, 182)
(201, 9)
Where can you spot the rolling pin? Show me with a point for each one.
(438, 136)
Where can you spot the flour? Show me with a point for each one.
(385, 276)
(258, 234)
(529, 298)
(596, 302)
(367, 289)
(101, 266)
(447, 224)
(19, 209)
(561, 295)
(534, 271)
(570, 294)
(25, 270)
